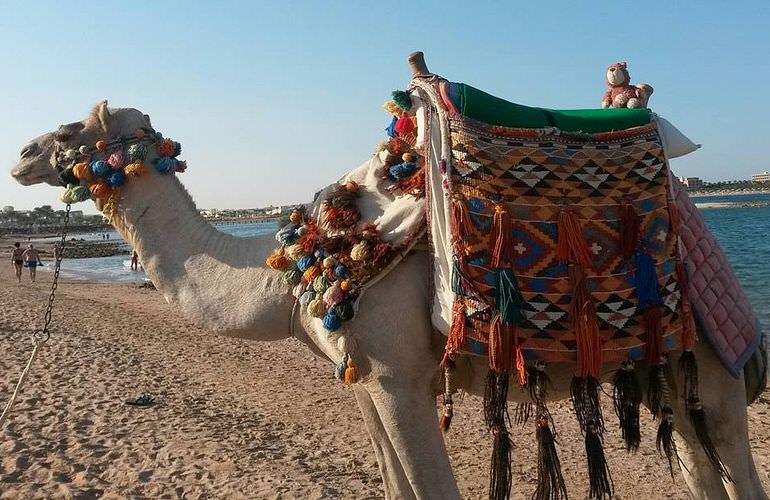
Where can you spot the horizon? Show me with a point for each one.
(272, 102)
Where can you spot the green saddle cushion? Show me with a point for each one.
(480, 106)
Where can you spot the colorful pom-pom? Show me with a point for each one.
(404, 125)
(115, 178)
(177, 149)
(137, 152)
(181, 166)
(277, 260)
(116, 160)
(392, 108)
(292, 277)
(100, 190)
(83, 172)
(286, 235)
(320, 284)
(99, 168)
(402, 99)
(165, 148)
(311, 274)
(391, 129)
(331, 321)
(295, 252)
(295, 217)
(75, 194)
(301, 231)
(316, 308)
(305, 262)
(83, 149)
(341, 272)
(333, 295)
(329, 262)
(407, 157)
(307, 297)
(101, 145)
(360, 251)
(299, 289)
(70, 154)
(165, 165)
(339, 370)
(344, 310)
(135, 169)
(402, 170)
(351, 373)
(346, 285)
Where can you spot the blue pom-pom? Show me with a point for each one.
(165, 165)
(402, 170)
(287, 234)
(158, 136)
(99, 168)
(341, 272)
(331, 321)
(115, 178)
(391, 129)
(304, 263)
(177, 149)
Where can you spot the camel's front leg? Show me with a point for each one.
(407, 409)
(394, 479)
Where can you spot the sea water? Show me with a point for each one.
(744, 234)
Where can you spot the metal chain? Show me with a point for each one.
(42, 336)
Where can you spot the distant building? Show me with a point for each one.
(763, 177)
(691, 182)
(9, 209)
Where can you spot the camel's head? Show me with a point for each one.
(38, 159)
(617, 74)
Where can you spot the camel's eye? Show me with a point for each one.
(62, 136)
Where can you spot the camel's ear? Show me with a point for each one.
(101, 116)
(147, 118)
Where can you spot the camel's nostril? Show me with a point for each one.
(28, 151)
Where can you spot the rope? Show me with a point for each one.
(20, 383)
(40, 337)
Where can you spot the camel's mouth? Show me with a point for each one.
(29, 173)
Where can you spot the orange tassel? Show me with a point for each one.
(571, 247)
(456, 338)
(688, 320)
(583, 320)
(499, 346)
(653, 317)
(629, 230)
(521, 366)
(461, 222)
(351, 373)
(500, 239)
(673, 215)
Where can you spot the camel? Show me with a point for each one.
(222, 283)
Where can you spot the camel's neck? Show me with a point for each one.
(217, 280)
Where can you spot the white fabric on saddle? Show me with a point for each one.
(675, 143)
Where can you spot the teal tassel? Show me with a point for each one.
(508, 299)
(457, 278)
(402, 99)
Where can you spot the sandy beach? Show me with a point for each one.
(233, 419)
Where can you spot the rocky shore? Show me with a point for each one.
(75, 248)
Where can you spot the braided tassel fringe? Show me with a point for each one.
(495, 416)
(626, 399)
(585, 401)
(550, 481)
(660, 404)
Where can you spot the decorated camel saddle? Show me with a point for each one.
(555, 236)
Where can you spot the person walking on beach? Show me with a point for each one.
(17, 261)
(134, 261)
(31, 259)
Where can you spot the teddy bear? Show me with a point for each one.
(621, 93)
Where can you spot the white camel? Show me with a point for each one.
(221, 283)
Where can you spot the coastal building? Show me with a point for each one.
(763, 177)
(7, 209)
(691, 182)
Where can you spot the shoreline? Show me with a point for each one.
(726, 192)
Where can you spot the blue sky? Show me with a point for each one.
(273, 100)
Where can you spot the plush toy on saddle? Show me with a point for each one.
(621, 93)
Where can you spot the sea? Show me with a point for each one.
(743, 232)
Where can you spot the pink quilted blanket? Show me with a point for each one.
(724, 314)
